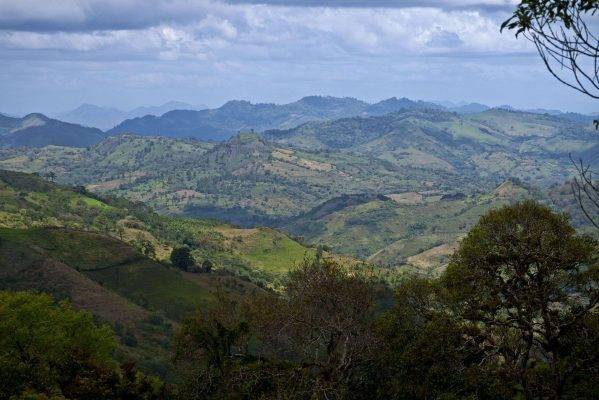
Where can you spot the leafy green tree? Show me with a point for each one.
(429, 354)
(514, 315)
(181, 258)
(50, 350)
(46, 346)
(524, 280)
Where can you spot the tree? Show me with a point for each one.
(145, 246)
(181, 258)
(514, 316)
(323, 322)
(525, 282)
(50, 350)
(314, 340)
(207, 266)
(210, 350)
(562, 33)
(147, 249)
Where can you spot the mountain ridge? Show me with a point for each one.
(38, 130)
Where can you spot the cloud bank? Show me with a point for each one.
(258, 49)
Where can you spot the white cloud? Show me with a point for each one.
(261, 52)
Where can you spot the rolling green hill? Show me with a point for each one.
(509, 143)
(382, 188)
(252, 180)
(245, 180)
(415, 230)
(91, 250)
(259, 254)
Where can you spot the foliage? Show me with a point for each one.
(564, 37)
(516, 303)
(50, 350)
(313, 341)
(181, 258)
(527, 276)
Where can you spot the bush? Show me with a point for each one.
(181, 258)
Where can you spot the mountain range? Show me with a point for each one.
(266, 178)
(222, 123)
(234, 116)
(107, 117)
(394, 188)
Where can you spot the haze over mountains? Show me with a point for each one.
(37, 130)
(176, 119)
(107, 117)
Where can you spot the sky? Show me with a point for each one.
(58, 54)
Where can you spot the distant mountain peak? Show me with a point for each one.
(33, 119)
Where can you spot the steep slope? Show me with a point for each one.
(37, 130)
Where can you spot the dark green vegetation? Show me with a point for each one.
(181, 258)
(50, 350)
(515, 316)
(37, 130)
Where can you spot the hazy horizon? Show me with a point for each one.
(57, 55)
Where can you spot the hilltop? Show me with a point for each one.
(37, 130)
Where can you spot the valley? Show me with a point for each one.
(299, 200)
(397, 189)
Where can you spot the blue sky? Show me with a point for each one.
(57, 54)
